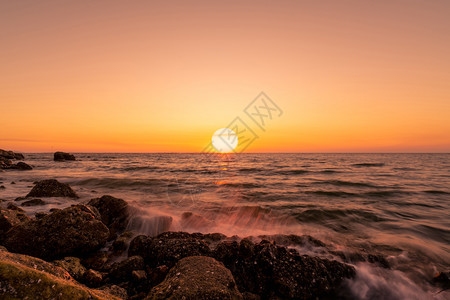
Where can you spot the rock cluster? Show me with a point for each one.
(173, 265)
(6, 163)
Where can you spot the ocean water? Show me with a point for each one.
(394, 205)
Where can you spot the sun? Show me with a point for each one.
(224, 140)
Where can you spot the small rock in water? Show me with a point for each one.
(2, 187)
(21, 166)
(61, 156)
(13, 207)
(52, 188)
(12, 182)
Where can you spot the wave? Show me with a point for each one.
(346, 183)
(368, 165)
(292, 172)
(143, 168)
(118, 182)
(436, 192)
(332, 193)
(319, 215)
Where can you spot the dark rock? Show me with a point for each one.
(52, 188)
(10, 218)
(272, 271)
(122, 242)
(167, 248)
(73, 266)
(2, 187)
(39, 215)
(21, 166)
(138, 275)
(121, 271)
(157, 274)
(20, 199)
(442, 279)
(92, 278)
(14, 207)
(33, 202)
(115, 290)
(74, 230)
(61, 156)
(197, 277)
(12, 182)
(114, 212)
(10, 155)
(97, 261)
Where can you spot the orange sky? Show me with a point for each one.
(162, 76)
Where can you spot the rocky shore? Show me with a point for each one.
(85, 252)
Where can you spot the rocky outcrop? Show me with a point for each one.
(167, 248)
(113, 211)
(52, 188)
(9, 218)
(76, 230)
(197, 277)
(62, 156)
(6, 163)
(122, 271)
(25, 277)
(272, 271)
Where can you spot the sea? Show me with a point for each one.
(394, 205)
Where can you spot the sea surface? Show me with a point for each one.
(395, 205)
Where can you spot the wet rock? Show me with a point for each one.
(92, 278)
(20, 199)
(355, 257)
(167, 248)
(442, 279)
(121, 271)
(39, 215)
(33, 202)
(10, 155)
(2, 187)
(10, 218)
(74, 230)
(12, 182)
(272, 271)
(61, 156)
(73, 266)
(122, 242)
(21, 166)
(51, 188)
(26, 277)
(97, 261)
(197, 277)
(157, 274)
(14, 207)
(114, 212)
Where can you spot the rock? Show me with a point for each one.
(73, 266)
(26, 277)
(138, 275)
(115, 290)
(2, 187)
(122, 242)
(272, 271)
(97, 261)
(10, 218)
(21, 166)
(12, 182)
(20, 199)
(197, 277)
(114, 212)
(167, 248)
(158, 274)
(39, 215)
(33, 202)
(442, 279)
(10, 155)
(121, 271)
(75, 230)
(51, 188)
(92, 278)
(12, 206)
(61, 156)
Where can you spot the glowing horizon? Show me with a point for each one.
(163, 77)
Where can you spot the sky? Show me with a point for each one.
(163, 76)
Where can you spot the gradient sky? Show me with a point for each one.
(148, 76)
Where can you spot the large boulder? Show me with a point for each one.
(167, 248)
(272, 271)
(113, 211)
(52, 188)
(76, 230)
(197, 277)
(26, 277)
(21, 166)
(9, 218)
(61, 156)
(10, 155)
